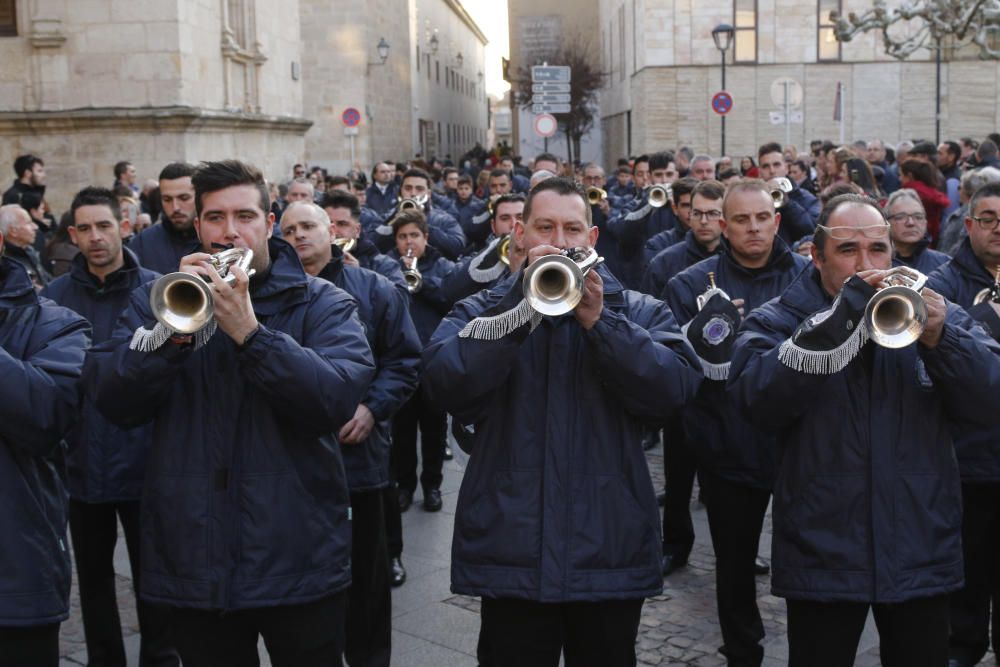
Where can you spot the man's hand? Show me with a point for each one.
(541, 251)
(588, 311)
(350, 259)
(355, 431)
(937, 308)
(233, 310)
(739, 303)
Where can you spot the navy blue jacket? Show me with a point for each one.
(923, 259)
(246, 502)
(160, 248)
(381, 204)
(460, 283)
(474, 219)
(669, 262)
(668, 238)
(42, 350)
(724, 441)
(959, 280)
(607, 244)
(557, 503)
(444, 233)
(396, 348)
(370, 258)
(796, 221)
(105, 463)
(431, 303)
(808, 201)
(633, 225)
(867, 505)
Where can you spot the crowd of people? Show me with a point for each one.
(259, 462)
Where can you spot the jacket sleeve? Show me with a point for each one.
(433, 289)
(40, 395)
(446, 235)
(474, 220)
(629, 225)
(330, 370)
(681, 299)
(795, 222)
(643, 358)
(397, 351)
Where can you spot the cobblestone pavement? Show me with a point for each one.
(434, 628)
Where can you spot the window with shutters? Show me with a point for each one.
(745, 39)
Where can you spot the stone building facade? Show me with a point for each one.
(664, 69)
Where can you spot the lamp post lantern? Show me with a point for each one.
(722, 35)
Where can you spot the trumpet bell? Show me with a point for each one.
(659, 196)
(181, 302)
(553, 285)
(503, 250)
(596, 195)
(896, 316)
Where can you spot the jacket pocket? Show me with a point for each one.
(928, 520)
(501, 525)
(609, 528)
(828, 525)
(175, 526)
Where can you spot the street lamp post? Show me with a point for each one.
(722, 35)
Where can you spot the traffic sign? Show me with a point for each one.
(722, 103)
(550, 88)
(778, 87)
(351, 117)
(542, 73)
(550, 108)
(551, 98)
(545, 125)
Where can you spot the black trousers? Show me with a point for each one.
(416, 413)
(826, 634)
(680, 466)
(970, 607)
(305, 635)
(393, 520)
(534, 634)
(36, 646)
(369, 602)
(94, 530)
(735, 518)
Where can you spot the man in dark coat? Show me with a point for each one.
(557, 527)
(41, 357)
(106, 465)
(30, 177)
(344, 213)
(445, 232)
(680, 204)
(365, 438)
(908, 230)
(801, 208)
(19, 232)
(485, 268)
(735, 460)
(974, 269)
(867, 504)
(245, 507)
(382, 193)
(475, 221)
(160, 247)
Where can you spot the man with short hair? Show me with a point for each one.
(161, 247)
(445, 233)
(702, 168)
(623, 186)
(106, 465)
(953, 231)
(548, 162)
(464, 197)
(300, 190)
(382, 193)
(245, 507)
(298, 171)
(125, 177)
(41, 358)
(474, 222)
(486, 268)
(344, 214)
(908, 231)
(948, 157)
(19, 231)
(736, 460)
(680, 204)
(987, 155)
(867, 505)
(29, 171)
(556, 526)
(519, 183)
(772, 166)
(364, 439)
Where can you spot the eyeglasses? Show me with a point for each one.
(711, 216)
(903, 217)
(986, 222)
(846, 233)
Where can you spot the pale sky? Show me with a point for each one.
(491, 17)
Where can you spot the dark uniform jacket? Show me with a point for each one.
(669, 262)
(430, 303)
(42, 350)
(160, 248)
(924, 259)
(633, 225)
(246, 501)
(381, 203)
(443, 232)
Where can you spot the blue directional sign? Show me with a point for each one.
(554, 73)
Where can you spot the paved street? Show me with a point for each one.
(434, 628)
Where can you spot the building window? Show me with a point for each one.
(827, 46)
(745, 22)
(8, 18)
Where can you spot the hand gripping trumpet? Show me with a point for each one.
(553, 284)
(991, 293)
(183, 302)
(897, 314)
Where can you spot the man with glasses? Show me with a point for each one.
(735, 459)
(973, 270)
(866, 506)
(694, 239)
(908, 230)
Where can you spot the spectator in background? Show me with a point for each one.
(920, 176)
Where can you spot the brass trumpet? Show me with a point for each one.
(780, 194)
(991, 293)
(553, 285)
(596, 195)
(503, 249)
(712, 290)
(345, 244)
(896, 315)
(183, 302)
(411, 274)
(659, 195)
(409, 203)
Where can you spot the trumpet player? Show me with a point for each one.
(734, 458)
(680, 204)
(245, 506)
(499, 258)
(364, 439)
(556, 525)
(970, 280)
(867, 505)
(475, 221)
(799, 208)
(428, 304)
(344, 213)
(444, 231)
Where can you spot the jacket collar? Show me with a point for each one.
(124, 278)
(335, 267)
(805, 295)
(918, 250)
(970, 266)
(15, 285)
(282, 284)
(781, 258)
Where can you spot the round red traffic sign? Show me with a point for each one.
(722, 103)
(546, 125)
(351, 117)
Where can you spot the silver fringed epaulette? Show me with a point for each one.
(481, 218)
(148, 340)
(384, 230)
(823, 362)
(490, 274)
(495, 327)
(639, 213)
